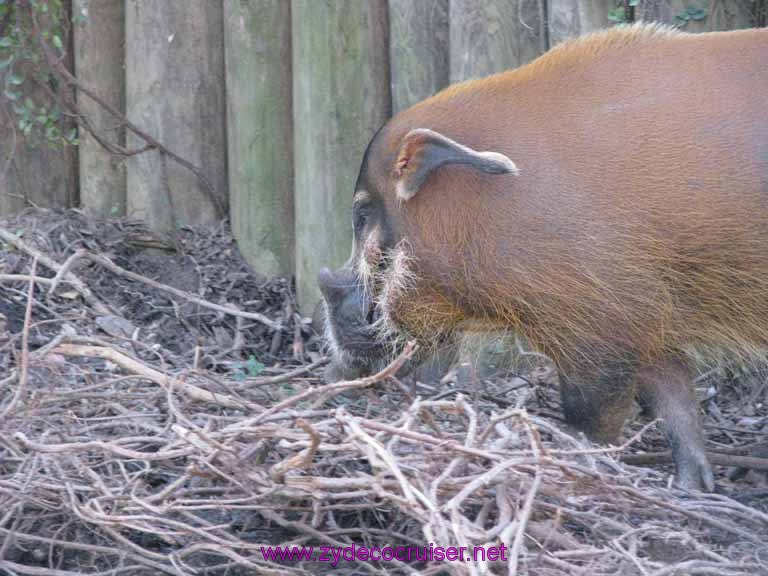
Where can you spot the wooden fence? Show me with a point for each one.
(275, 101)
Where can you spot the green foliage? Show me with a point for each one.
(254, 367)
(618, 14)
(691, 13)
(249, 369)
(23, 66)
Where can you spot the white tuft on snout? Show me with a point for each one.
(395, 280)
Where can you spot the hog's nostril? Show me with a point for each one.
(325, 281)
(334, 285)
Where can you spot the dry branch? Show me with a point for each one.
(737, 460)
(24, 370)
(330, 390)
(137, 367)
(111, 266)
(48, 262)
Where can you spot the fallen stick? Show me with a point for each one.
(24, 278)
(333, 389)
(133, 365)
(49, 262)
(114, 268)
(24, 369)
(303, 459)
(268, 380)
(111, 447)
(651, 458)
(524, 515)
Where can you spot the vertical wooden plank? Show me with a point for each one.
(175, 91)
(341, 96)
(33, 173)
(418, 50)
(568, 19)
(488, 36)
(260, 131)
(732, 15)
(698, 15)
(12, 191)
(99, 41)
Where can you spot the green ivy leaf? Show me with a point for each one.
(11, 95)
(7, 62)
(254, 367)
(6, 42)
(698, 14)
(52, 132)
(15, 79)
(616, 15)
(80, 18)
(57, 42)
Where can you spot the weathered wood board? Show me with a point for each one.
(341, 96)
(568, 19)
(99, 48)
(487, 36)
(175, 91)
(32, 172)
(260, 131)
(418, 50)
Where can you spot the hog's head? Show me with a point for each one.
(365, 298)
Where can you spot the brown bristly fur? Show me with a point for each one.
(637, 228)
(608, 202)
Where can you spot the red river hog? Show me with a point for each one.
(608, 201)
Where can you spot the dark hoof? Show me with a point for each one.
(694, 472)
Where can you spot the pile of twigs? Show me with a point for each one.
(118, 457)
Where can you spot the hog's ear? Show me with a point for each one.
(423, 151)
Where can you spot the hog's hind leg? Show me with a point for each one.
(667, 391)
(597, 401)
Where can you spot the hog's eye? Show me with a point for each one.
(360, 218)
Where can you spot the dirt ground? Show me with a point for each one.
(163, 412)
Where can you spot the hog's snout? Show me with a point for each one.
(348, 328)
(333, 285)
(346, 301)
(343, 294)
